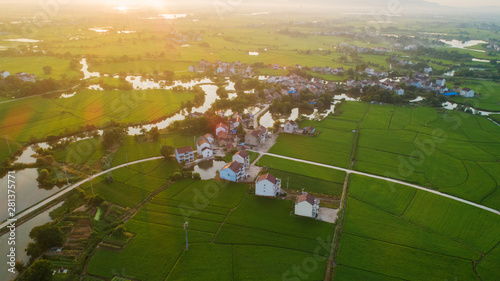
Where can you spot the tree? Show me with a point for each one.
(43, 177)
(47, 70)
(33, 250)
(95, 200)
(167, 151)
(112, 136)
(47, 236)
(40, 270)
(20, 266)
(196, 176)
(176, 176)
(240, 132)
(154, 133)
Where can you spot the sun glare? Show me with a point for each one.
(126, 5)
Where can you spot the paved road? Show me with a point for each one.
(28, 97)
(71, 187)
(257, 115)
(68, 189)
(386, 179)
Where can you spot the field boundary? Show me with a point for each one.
(349, 171)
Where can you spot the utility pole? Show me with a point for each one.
(186, 230)
(92, 186)
(65, 173)
(7, 139)
(287, 181)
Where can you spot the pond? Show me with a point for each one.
(27, 156)
(480, 60)
(23, 40)
(27, 191)
(22, 241)
(85, 69)
(464, 44)
(208, 169)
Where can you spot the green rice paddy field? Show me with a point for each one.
(41, 117)
(394, 232)
(451, 151)
(233, 235)
(298, 176)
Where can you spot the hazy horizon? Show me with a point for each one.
(166, 3)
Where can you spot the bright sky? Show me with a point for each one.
(467, 3)
(162, 3)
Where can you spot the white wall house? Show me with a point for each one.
(290, 127)
(209, 138)
(242, 157)
(184, 154)
(233, 171)
(4, 74)
(220, 128)
(306, 205)
(202, 143)
(400, 91)
(206, 152)
(441, 82)
(267, 185)
(466, 92)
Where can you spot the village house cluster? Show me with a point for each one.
(293, 85)
(20, 75)
(493, 45)
(420, 81)
(223, 68)
(362, 50)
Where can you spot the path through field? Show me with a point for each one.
(348, 171)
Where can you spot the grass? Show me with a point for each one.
(212, 261)
(489, 98)
(467, 224)
(401, 262)
(41, 117)
(300, 168)
(35, 64)
(390, 197)
(442, 150)
(403, 238)
(297, 176)
(274, 215)
(142, 258)
(206, 206)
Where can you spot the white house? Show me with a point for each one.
(184, 154)
(204, 148)
(206, 152)
(441, 82)
(221, 127)
(306, 205)
(210, 138)
(400, 91)
(202, 143)
(290, 127)
(267, 185)
(236, 120)
(4, 74)
(466, 92)
(233, 171)
(242, 157)
(370, 71)
(427, 70)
